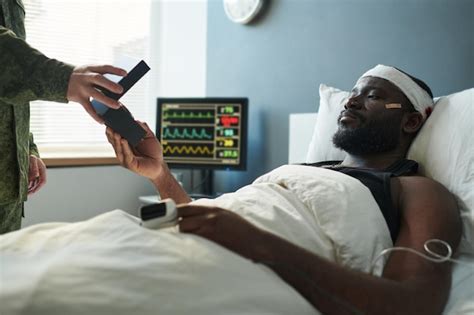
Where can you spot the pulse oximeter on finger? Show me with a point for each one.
(159, 215)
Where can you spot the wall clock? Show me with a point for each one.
(242, 11)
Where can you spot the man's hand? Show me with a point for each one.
(36, 175)
(222, 227)
(83, 85)
(145, 160)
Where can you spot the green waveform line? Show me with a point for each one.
(175, 134)
(184, 115)
(193, 150)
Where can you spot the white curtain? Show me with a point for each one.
(86, 32)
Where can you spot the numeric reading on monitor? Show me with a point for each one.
(201, 133)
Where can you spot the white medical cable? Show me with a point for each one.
(435, 257)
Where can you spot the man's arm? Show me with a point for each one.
(29, 75)
(410, 284)
(169, 187)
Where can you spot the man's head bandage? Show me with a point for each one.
(420, 99)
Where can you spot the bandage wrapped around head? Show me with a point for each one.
(420, 99)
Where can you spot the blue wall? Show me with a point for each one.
(280, 60)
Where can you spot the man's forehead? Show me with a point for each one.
(376, 83)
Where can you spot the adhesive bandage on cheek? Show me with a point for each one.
(393, 106)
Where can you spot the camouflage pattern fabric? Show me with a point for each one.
(2, 21)
(10, 217)
(26, 75)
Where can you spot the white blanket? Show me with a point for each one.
(111, 265)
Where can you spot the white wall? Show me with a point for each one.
(79, 193)
(178, 53)
(182, 30)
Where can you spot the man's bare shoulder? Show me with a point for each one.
(422, 184)
(427, 204)
(419, 189)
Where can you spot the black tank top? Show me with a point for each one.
(379, 184)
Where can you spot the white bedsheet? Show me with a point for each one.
(111, 265)
(461, 297)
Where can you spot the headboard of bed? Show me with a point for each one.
(301, 132)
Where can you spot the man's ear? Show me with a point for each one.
(412, 122)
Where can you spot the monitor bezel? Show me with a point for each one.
(242, 166)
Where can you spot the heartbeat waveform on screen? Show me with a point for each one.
(194, 134)
(198, 150)
(190, 115)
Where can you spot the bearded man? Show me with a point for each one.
(383, 114)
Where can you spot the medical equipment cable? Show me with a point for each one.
(435, 257)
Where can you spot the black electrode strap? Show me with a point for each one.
(129, 80)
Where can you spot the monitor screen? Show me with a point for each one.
(203, 132)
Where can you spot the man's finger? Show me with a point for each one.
(101, 81)
(32, 185)
(104, 69)
(36, 188)
(40, 183)
(43, 176)
(96, 94)
(118, 148)
(33, 172)
(127, 152)
(109, 134)
(110, 138)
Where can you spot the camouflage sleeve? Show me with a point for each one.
(29, 75)
(33, 148)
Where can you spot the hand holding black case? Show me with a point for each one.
(121, 120)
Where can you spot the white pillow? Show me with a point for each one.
(330, 106)
(444, 147)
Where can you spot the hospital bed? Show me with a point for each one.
(112, 265)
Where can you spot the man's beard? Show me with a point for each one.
(372, 137)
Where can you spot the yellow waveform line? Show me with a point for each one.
(188, 150)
